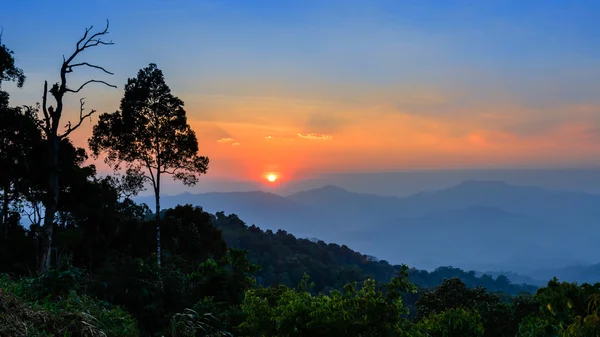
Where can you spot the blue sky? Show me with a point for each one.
(441, 84)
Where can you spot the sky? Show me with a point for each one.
(306, 88)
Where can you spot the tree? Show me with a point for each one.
(8, 71)
(151, 135)
(497, 318)
(452, 322)
(15, 135)
(19, 139)
(50, 124)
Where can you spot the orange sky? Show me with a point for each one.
(247, 137)
(388, 86)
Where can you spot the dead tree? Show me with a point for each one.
(50, 125)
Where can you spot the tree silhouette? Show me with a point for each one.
(8, 70)
(17, 134)
(150, 134)
(50, 124)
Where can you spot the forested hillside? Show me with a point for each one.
(94, 263)
(284, 259)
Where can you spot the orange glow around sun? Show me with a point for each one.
(271, 177)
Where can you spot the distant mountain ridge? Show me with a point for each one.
(483, 224)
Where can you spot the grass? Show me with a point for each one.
(22, 313)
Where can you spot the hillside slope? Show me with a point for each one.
(284, 259)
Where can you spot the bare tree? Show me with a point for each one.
(50, 124)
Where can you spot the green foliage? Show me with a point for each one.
(364, 311)
(191, 324)
(497, 318)
(455, 322)
(23, 313)
(569, 309)
(535, 326)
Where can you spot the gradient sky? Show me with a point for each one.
(310, 87)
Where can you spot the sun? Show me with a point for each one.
(271, 177)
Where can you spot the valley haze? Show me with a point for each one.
(491, 221)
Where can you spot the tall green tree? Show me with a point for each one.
(150, 134)
(50, 124)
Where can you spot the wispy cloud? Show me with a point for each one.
(228, 140)
(315, 136)
(225, 140)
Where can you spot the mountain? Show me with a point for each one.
(265, 209)
(535, 201)
(515, 278)
(481, 225)
(284, 259)
(353, 210)
(466, 237)
(589, 273)
(407, 183)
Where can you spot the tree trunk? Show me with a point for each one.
(158, 220)
(51, 205)
(5, 202)
(4, 237)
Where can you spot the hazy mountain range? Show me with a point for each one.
(478, 225)
(407, 183)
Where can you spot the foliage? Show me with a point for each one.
(281, 311)
(452, 322)
(191, 324)
(26, 314)
(8, 70)
(150, 132)
(496, 317)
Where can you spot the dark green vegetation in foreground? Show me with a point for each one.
(217, 276)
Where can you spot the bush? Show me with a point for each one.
(66, 315)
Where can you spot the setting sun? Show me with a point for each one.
(271, 177)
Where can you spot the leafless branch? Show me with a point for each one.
(82, 117)
(95, 42)
(91, 81)
(94, 39)
(35, 215)
(71, 66)
(84, 43)
(87, 30)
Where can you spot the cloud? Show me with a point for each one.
(229, 140)
(315, 136)
(225, 140)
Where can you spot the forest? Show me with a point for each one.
(79, 258)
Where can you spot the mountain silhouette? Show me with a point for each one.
(484, 224)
